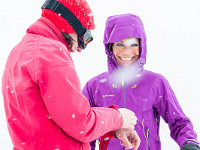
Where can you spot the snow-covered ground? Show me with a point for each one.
(172, 29)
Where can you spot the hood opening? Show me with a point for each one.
(119, 27)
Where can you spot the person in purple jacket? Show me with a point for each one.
(127, 84)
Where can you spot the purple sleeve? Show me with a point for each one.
(168, 107)
(87, 92)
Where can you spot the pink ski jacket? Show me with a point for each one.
(44, 106)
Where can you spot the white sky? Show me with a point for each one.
(172, 29)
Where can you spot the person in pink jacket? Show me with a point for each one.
(44, 106)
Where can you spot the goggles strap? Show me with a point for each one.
(64, 12)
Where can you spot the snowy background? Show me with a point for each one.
(173, 39)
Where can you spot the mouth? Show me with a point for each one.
(126, 59)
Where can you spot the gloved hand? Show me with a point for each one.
(190, 146)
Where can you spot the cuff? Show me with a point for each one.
(105, 139)
(190, 146)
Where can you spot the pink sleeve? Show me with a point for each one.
(69, 109)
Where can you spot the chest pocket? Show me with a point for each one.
(107, 97)
(108, 94)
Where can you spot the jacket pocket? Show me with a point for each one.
(146, 134)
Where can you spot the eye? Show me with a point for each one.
(134, 45)
(120, 44)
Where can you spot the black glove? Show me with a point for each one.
(190, 146)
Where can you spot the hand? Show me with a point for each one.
(190, 146)
(129, 118)
(129, 138)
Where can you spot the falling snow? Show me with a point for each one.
(103, 80)
(90, 14)
(106, 138)
(12, 92)
(138, 75)
(48, 116)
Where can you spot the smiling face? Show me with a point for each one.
(126, 51)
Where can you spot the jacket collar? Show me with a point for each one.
(46, 28)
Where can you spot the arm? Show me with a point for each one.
(70, 109)
(54, 73)
(88, 94)
(167, 105)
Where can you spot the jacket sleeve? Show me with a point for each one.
(88, 94)
(60, 90)
(168, 107)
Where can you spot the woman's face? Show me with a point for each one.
(126, 51)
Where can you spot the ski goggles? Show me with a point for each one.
(85, 39)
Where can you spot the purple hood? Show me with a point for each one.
(120, 27)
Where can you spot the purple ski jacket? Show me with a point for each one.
(146, 93)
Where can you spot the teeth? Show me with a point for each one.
(126, 58)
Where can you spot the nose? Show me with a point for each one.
(129, 50)
(79, 49)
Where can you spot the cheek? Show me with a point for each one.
(136, 52)
(116, 52)
(75, 44)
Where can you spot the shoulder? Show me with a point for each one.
(52, 53)
(154, 77)
(97, 79)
